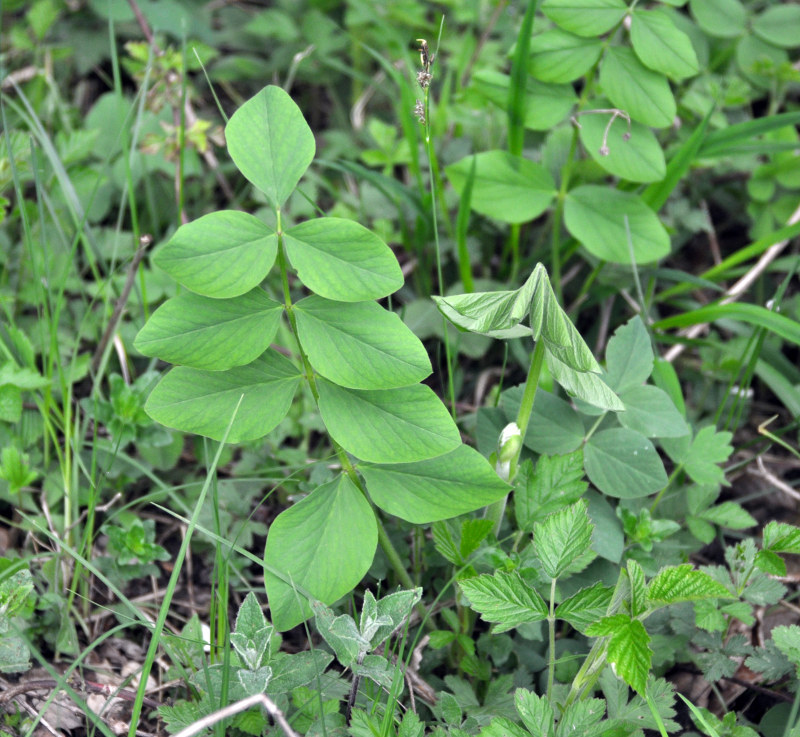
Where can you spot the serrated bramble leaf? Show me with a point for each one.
(502, 727)
(504, 599)
(535, 711)
(780, 537)
(771, 563)
(583, 718)
(563, 538)
(770, 662)
(585, 607)
(683, 583)
(638, 595)
(787, 640)
(629, 652)
(444, 540)
(555, 482)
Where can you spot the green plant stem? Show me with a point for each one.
(496, 511)
(660, 494)
(558, 215)
(551, 631)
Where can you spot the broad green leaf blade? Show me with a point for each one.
(730, 515)
(642, 93)
(780, 537)
(560, 57)
(623, 464)
(629, 356)
(389, 426)
(633, 154)
(222, 254)
(359, 344)
(442, 487)
(596, 217)
(661, 46)
(683, 583)
(650, 411)
(535, 711)
(585, 385)
(638, 595)
(389, 613)
(507, 188)
(496, 314)
(720, 18)
(585, 607)
(757, 315)
(552, 325)
(324, 545)
(547, 104)
(779, 25)
(214, 334)
(556, 482)
(342, 260)
(271, 143)
(586, 18)
(203, 402)
(563, 539)
(504, 599)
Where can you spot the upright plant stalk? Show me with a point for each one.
(422, 110)
(515, 440)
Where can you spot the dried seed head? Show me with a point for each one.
(419, 111)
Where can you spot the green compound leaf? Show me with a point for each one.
(637, 159)
(661, 46)
(586, 607)
(555, 482)
(787, 640)
(561, 57)
(342, 260)
(628, 648)
(535, 711)
(203, 402)
(271, 143)
(504, 599)
(222, 254)
(585, 17)
(780, 537)
(595, 216)
(650, 411)
(333, 553)
(213, 334)
(562, 541)
(720, 18)
(642, 93)
(706, 451)
(508, 188)
(359, 344)
(779, 25)
(547, 104)
(683, 583)
(443, 487)
(623, 464)
(388, 426)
